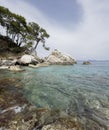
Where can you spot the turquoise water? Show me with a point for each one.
(57, 86)
(76, 89)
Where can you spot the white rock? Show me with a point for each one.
(15, 68)
(59, 58)
(39, 65)
(4, 67)
(28, 59)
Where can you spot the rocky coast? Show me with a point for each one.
(85, 111)
(16, 63)
(16, 113)
(48, 98)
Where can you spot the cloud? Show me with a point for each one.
(88, 40)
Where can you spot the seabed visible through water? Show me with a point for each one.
(80, 91)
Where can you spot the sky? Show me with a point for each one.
(79, 28)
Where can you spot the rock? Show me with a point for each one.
(7, 62)
(11, 58)
(59, 58)
(63, 124)
(86, 63)
(39, 65)
(4, 67)
(43, 64)
(27, 59)
(54, 127)
(15, 68)
(40, 60)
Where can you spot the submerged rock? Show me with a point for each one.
(63, 124)
(58, 57)
(16, 113)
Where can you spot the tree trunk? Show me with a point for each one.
(20, 44)
(7, 32)
(37, 42)
(13, 37)
(17, 41)
(36, 45)
(33, 49)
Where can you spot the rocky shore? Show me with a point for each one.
(56, 57)
(16, 113)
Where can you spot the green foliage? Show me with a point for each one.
(37, 34)
(21, 32)
(29, 45)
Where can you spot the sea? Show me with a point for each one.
(81, 90)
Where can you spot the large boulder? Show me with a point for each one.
(57, 57)
(27, 59)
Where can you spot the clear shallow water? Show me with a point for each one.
(79, 89)
(57, 86)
